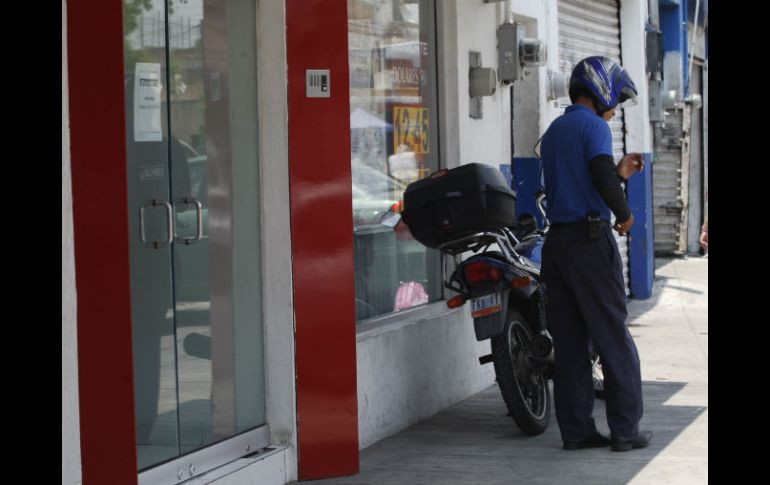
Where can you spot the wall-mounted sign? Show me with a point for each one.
(317, 83)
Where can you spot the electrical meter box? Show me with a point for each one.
(508, 62)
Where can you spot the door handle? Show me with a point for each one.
(198, 218)
(169, 218)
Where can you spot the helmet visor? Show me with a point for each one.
(627, 98)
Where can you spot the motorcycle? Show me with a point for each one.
(501, 280)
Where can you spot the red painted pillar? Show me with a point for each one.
(99, 196)
(322, 241)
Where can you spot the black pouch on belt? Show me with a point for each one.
(594, 225)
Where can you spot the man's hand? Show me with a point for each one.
(632, 162)
(624, 227)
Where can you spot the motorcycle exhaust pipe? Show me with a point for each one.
(541, 349)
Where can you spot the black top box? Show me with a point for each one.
(457, 202)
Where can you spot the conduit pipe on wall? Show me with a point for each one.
(694, 37)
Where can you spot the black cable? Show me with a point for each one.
(534, 148)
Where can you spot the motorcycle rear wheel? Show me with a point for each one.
(522, 384)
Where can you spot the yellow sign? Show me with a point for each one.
(411, 128)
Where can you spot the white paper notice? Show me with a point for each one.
(147, 103)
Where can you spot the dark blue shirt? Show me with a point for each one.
(569, 144)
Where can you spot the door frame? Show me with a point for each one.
(99, 186)
(99, 195)
(101, 246)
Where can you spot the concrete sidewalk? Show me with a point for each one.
(474, 442)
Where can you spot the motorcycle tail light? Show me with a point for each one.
(479, 272)
(456, 301)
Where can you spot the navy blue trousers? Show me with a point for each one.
(587, 305)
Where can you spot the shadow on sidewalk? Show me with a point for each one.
(475, 442)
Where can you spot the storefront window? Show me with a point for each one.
(394, 142)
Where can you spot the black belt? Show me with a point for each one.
(580, 223)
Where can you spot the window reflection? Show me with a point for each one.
(191, 136)
(393, 143)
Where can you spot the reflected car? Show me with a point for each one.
(376, 196)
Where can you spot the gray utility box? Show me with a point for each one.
(508, 63)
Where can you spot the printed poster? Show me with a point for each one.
(411, 128)
(147, 100)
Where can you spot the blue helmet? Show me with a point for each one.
(607, 82)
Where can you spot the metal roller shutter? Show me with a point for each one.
(667, 186)
(592, 28)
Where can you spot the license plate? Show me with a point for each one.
(486, 305)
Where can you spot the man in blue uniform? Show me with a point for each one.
(581, 263)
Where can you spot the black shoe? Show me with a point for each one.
(626, 443)
(593, 440)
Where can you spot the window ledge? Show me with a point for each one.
(391, 322)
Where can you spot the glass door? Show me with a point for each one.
(193, 202)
